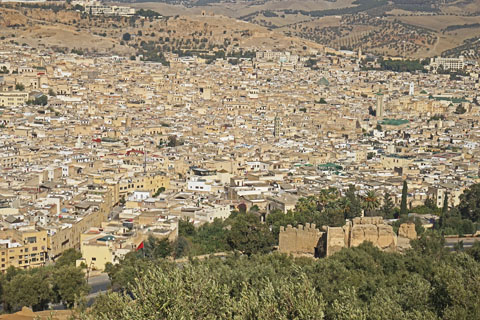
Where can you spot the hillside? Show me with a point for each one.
(68, 29)
(409, 28)
(375, 26)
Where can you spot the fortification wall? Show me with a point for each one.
(309, 240)
(299, 240)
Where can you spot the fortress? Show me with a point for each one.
(308, 240)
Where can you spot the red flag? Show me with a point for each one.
(140, 246)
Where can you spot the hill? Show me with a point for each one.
(62, 28)
(409, 28)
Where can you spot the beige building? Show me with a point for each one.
(23, 249)
(13, 98)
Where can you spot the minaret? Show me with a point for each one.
(276, 128)
(380, 108)
(411, 92)
(78, 144)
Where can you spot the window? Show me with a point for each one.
(26, 250)
(34, 249)
(32, 239)
(94, 259)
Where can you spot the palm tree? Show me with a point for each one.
(326, 196)
(343, 205)
(370, 202)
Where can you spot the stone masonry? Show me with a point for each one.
(309, 240)
(299, 240)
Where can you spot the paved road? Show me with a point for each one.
(98, 284)
(467, 242)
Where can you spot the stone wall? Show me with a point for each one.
(407, 230)
(299, 240)
(359, 230)
(309, 240)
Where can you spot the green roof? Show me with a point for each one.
(454, 100)
(323, 82)
(330, 166)
(106, 238)
(393, 122)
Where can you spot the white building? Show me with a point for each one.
(448, 63)
(210, 213)
(96, 8)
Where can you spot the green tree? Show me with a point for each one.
(185, 228)
(181, 247)
(474, 251)
(126, 36)
(430, 203)
(19, 87)
(69, 285)
(403, 204)
(155, 248)
(388, 206)
(355, 203)
(445, 204)
(249, 236)
(469, 206)
(158, 192)
(430, 243)
(460, 109)
(371, 202)
(40, 101)
(31, 290)
(68, 258)
(51, 93)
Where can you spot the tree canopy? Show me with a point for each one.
(428, 282)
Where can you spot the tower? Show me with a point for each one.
(79, 143)
(276, 128)
(411, 92)
(380, 109)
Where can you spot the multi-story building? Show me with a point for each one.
(13, 98)
(24, 248)
(448, 63)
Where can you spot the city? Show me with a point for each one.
(115, 161)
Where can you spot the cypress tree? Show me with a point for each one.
(388, 206)
(445, 204)
(403, 205)
(443, 215)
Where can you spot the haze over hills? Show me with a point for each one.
(68, 29)
(409, 28)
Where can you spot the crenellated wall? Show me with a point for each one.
(299, 240)
(309, 240)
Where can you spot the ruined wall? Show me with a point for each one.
(359, 230)
(309, 240)
(407, 230)
(299, 240)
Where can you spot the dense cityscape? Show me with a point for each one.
(309, 182)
